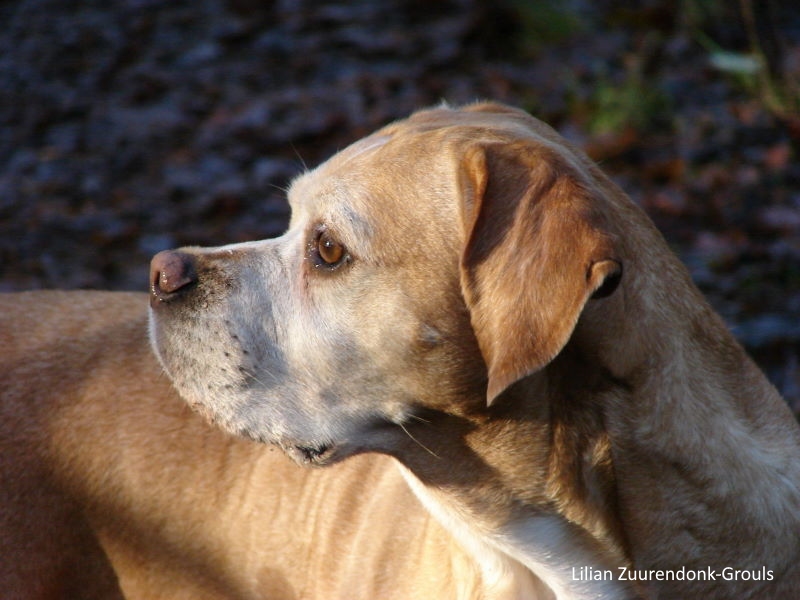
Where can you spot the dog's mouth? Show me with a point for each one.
(316, 455)
(326, 451)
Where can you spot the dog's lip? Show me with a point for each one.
(311, 454)
(326, 451)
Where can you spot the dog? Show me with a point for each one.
(466, 293)
(464, 307)
(111, 487)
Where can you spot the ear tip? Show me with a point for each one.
(608, 274)
(493, 390)
(502, 377)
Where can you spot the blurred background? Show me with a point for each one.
(131, 126)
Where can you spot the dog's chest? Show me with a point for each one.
(503, 577)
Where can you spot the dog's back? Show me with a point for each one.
(109, 484)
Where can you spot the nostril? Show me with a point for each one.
(171, 272)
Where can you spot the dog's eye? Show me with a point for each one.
(329, 251)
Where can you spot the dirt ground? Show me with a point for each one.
(132, 126)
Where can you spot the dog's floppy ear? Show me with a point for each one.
(536, 249)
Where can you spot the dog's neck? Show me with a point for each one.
(489, 478)
(617, 456)
(702, 448)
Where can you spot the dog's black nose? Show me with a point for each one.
(171, 274)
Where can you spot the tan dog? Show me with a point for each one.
(109, 485)
(466, 293)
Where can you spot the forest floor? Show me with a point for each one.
(138, 125)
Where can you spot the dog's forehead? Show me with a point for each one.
(430, 126)
(331, 177)
(405, 159)
(367, 178)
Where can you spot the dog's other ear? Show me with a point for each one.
(536, 249)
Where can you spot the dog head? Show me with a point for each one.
(427, 267)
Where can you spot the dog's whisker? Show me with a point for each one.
(254, 377)
(284, 189)
(416, 441)
(300, 158)
(418, 418)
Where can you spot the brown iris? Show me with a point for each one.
(329, 250)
